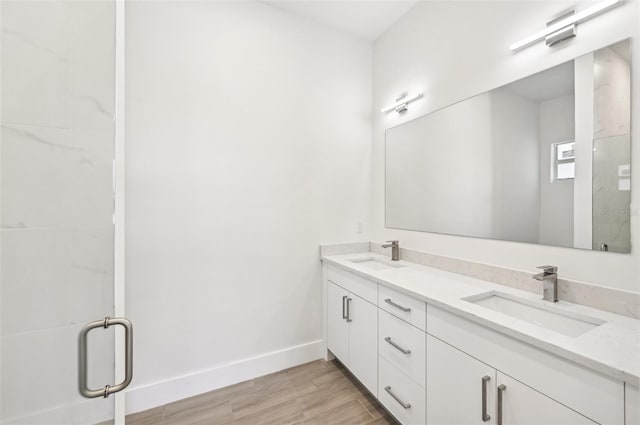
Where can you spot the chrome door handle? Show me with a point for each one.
(396, 398)
(349, 299)
(82, 357)
(344, 315)
(396, 346)
(398, 306)
(501, 389)
(485, 379)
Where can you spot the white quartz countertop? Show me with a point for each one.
(612, 348)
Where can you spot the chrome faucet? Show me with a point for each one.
(549, 279)
(395, 250)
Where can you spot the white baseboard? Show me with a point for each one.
(147, 396)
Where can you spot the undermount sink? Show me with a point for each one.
(547, 316)
(376, 263)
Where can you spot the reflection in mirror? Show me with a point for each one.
(612, 148)
(545, 160)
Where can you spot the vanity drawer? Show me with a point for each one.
(395, 338)
(405, 307)
(595, 396)
(353, 283)
(400, 395)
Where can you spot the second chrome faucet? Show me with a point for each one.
(395, 249)
(549, 279)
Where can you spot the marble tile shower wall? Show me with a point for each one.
(612, 151)
(56, 195)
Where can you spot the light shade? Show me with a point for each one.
(401, 104)
(563, 23)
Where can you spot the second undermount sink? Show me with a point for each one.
(547, 316)
(376, 263)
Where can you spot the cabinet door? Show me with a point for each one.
(524, 405)
(632, 405)
(363, 342)
(455, 384)
(337, 330)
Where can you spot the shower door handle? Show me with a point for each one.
(82, 357)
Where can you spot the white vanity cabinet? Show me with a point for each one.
(429, 365)
(380, 338)
(462, 390)
(352, 334)
(539, 387)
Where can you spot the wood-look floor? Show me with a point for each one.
(317, 393)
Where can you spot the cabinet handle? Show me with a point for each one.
(396, 346)
(396, 398)
(398, 306)
(485, 379)
(344, 315)
(349, 309)
(501, 388)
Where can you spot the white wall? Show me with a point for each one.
(425, 51)
(248, 144)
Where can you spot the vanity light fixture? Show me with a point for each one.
(563, 28)
(402, 103)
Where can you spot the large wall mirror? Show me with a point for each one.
(544, 160)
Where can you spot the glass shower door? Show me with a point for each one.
(56, 208)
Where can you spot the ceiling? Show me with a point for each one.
(364, 19)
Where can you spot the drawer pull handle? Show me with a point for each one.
(396, 398)
(485, 379)
(349, 309)
(344, 299)
(501, 389)
(398, 306)
(396, 346)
